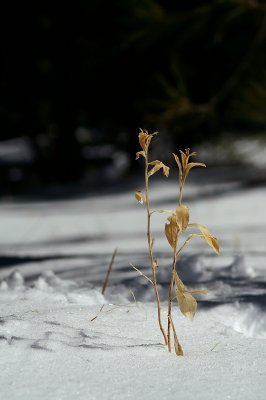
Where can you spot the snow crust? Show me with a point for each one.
(60, 338)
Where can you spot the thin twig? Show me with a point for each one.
(96, 316)
(109, 271)
(133, 296)
(154, 280)
(170, 299)
(214, 347)
(141, 273)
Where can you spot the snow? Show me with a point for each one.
(60, 338)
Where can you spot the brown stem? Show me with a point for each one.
(180, 194)
(170, 298)
(178, 347)
(150, 250)
(109, 271)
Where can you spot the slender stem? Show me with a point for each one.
(180, 193)
(181, 187)
(170, 298)
(170, 324)
(150, 250)
(109, 271)
(183, 245)
(141, 273)
(176, 253)
(178, 347)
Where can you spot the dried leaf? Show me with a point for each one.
(155, 264)
(152, 243)
(193, 164)
(178, 348)
(184, 158)
(172, 230)
(145, 139)
(211, 240)
(184, 166)
(140, 153)
(179, 165)
(178, 283)
(139, 197)
(182, 216)
(166, 170)
(199, 291)
(187, 303)
(157, 166)
(190, 154)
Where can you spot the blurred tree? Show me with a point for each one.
(191, 69)
(200, 56)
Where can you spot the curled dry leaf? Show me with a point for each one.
(184, 166)
(157, 166)
(139, 197)
(178, 348)
(179, 165)
(182, 217)
(140, 153)
(172, 230)
(206, 235)
(145, 139)
(187, 303)
(178, 283)
(184, 158)
(194, 164)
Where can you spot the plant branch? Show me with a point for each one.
(170, 299)
(141, 273)
(150, 250)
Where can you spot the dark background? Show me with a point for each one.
(78, 80)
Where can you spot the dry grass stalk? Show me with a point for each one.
(109, 271)
(177, 223)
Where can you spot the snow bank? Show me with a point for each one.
(57, 342)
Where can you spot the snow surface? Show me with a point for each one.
(60, 338)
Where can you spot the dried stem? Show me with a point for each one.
(170, 299)
(180, 194)
(109, 271)
(178, 347)
(141, 273)
(150, 250)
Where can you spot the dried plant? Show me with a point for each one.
(177, 223)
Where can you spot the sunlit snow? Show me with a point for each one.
(60, 338)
